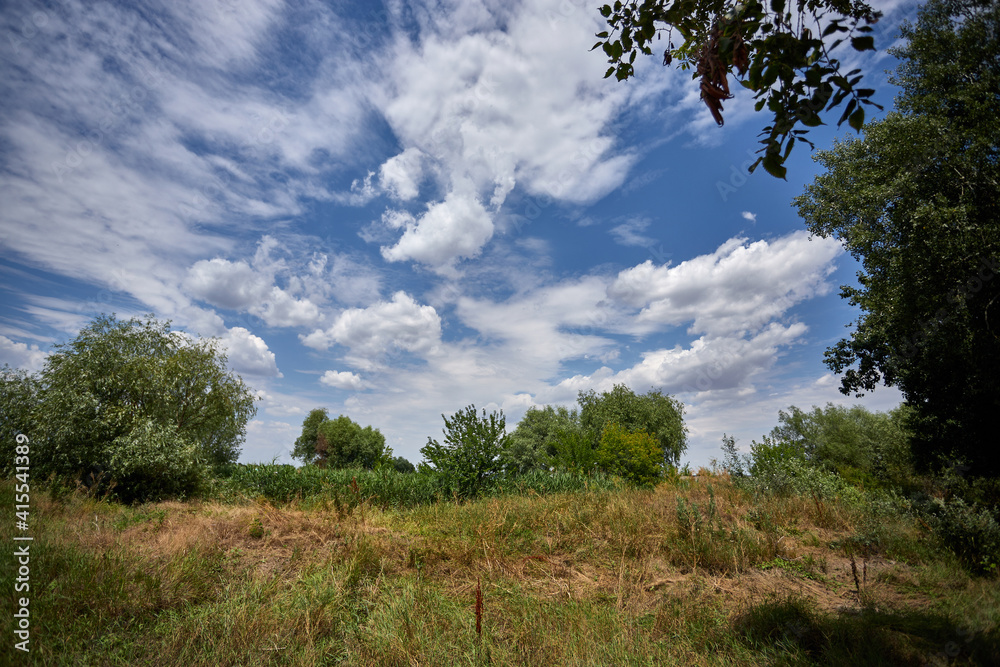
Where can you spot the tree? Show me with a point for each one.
(782, 53)
(149, 409)
(401, 464)
(633, 455)
(660, 416)
(305, 444)
(469, 458)
(858, 445)
(916, 202)
(18, 398)
(342, 443)
(534, 442)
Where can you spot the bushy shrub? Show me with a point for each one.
(146, 409)
(633, 455)
(662, 417)
(468, 461)
(972, 532)
(153, 461)
(534, 443)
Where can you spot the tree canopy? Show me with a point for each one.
(781, 50)
(146, 409)
(916, 202)
(340, 443)
(662, 417)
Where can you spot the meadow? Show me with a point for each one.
(279, 567)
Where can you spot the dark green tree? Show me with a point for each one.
(660, 416)
(859, 445)
(916, 202)
(144, 407)
(305, 445)
(469, 458)
(401, 464)
(781, 51)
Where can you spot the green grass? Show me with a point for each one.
(689, 573)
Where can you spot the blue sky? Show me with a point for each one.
(395, 210)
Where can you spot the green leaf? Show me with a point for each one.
(833, 27)
(847, 112)
(611, 70)
(773, 166)
(866, 43)
(857, 119)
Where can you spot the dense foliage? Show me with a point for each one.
(340, 443)
(916, 202)
(632, 455)
(781, 51)
(535, 443)
(469, 458)
(660, 416)
(865, 458)
(132, 407)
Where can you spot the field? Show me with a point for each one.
(694, 572)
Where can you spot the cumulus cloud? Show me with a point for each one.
(387, 326)
(21, 355)
(456, 228)
(342, 380)
(248, 354)
(523, 104)
(739, 287)
(232, 285)
(244, 287)
(400, 175)
(750, 217)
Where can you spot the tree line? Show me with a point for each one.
(638, 437)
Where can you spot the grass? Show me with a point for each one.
(691, 572)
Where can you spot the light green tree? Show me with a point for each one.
(305, 444)
(534, 443)
(342, 443)
(632, 455)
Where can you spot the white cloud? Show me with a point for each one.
(232, 285)
(455, 228)
(21, 355)
(629, 233)
(400, 175)
(739, 287)
(387, 326)
(248, 354)
(523, 103)
(342, 380)
(750, 217)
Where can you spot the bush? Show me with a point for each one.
(632, 455)
(662, 417)
(146, 408)
(534, 442)
(971, 532)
